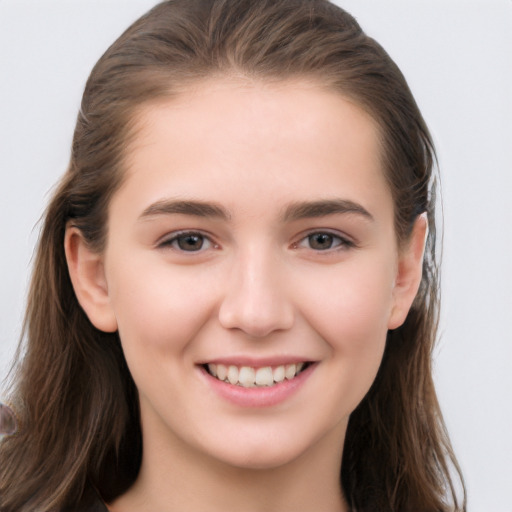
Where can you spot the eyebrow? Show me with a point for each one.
(185, 207)
(312, 209)
(294, 211)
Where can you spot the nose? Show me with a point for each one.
(256, 300)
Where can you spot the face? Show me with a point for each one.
(251, 269)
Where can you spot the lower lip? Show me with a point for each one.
(264, 396)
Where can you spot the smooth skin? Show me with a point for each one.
(215, 251)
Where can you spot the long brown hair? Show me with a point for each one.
(75, 398)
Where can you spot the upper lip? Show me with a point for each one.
(258, 362)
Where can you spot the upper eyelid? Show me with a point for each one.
(333, 232)
(170, 237)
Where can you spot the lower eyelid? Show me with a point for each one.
(343, 242)
(169, 240)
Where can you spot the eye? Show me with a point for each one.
(188, 242)
(323, 241)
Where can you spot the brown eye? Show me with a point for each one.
(321, 241)
(324, 241)
(190, 242)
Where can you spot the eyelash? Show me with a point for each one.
(175, 239)
(341, 243)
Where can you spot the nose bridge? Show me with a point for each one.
(256, 299)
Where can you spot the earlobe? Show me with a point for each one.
(87, 274)
(409, 272)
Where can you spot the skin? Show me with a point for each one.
(258, 287)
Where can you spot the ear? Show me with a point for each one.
(87, 274)
(409, 272)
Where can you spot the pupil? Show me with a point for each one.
(190, 242)
(320, 241)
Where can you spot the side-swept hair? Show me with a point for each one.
(76, 401)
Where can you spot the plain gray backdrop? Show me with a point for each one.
(457, 57)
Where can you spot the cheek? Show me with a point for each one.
(351, 309)
(158, 307)
(350, 314)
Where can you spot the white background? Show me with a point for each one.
(457, 57)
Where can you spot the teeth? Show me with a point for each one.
(246, 377)
(279, 374)
(289, 371)
(233, 375)
(222, 371)
(264, 376)
(212, 368)
(249, 377)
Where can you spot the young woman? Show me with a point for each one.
(234, 299)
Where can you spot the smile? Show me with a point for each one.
(249, 377)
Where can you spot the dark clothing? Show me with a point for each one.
(90, 502)
(96, 506)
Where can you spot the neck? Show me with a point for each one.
(173, 479)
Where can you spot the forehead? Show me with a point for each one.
(289, 139)
(256, 105)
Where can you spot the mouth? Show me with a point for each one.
(251, 377)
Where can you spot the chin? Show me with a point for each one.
(267, 454)
(261, 460)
